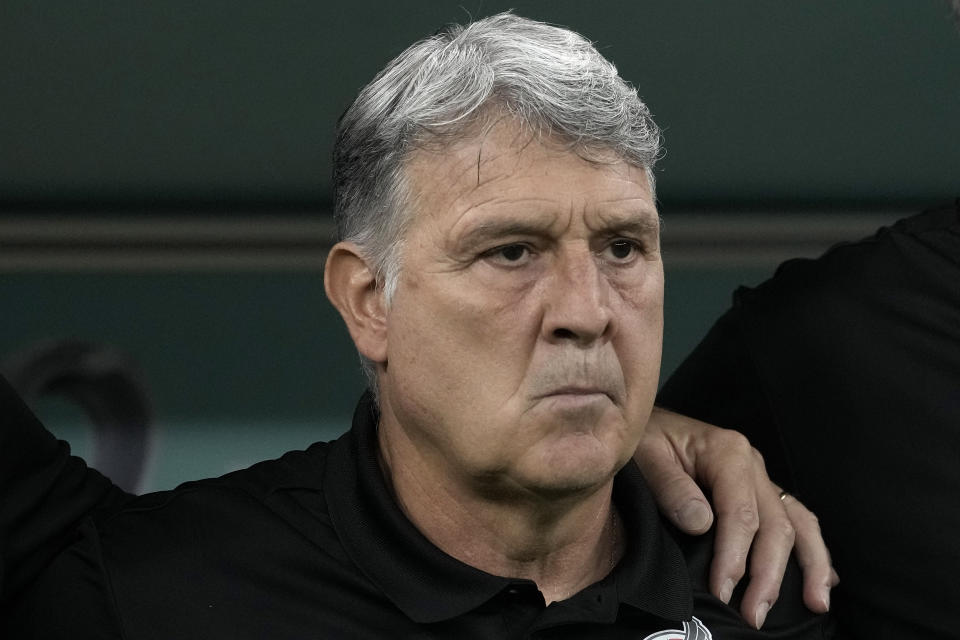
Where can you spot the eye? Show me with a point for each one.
(510, 255)
(622, 250)
(512, 252)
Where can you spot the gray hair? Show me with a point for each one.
(551, 80)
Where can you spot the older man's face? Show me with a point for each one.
(523, 341)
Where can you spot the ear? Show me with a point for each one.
(352, 288)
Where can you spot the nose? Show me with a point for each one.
(577, 301)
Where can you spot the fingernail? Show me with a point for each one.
(726, 590)
(825, 598)
(694, 516)
(762, 610)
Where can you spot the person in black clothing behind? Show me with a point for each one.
(845, 372)
(511, 324)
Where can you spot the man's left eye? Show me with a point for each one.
(622, 249)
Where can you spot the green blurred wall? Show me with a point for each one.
(176, 101)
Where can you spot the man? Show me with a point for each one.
(845, 372)
(500, 275)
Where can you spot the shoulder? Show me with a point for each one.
(208, 517)
(671, 570)
(301, 470)
(898, 288)
(919, 251)
(174, 555)
(788, 618)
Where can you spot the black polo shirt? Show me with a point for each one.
(312, 545)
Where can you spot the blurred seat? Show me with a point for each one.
(109, 388)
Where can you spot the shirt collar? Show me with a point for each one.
(430, 586)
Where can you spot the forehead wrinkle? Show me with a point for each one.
(541, 215)
(528, 220)
(465, 160)
(460, 169)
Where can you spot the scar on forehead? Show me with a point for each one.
(522, 134)
(525, 135)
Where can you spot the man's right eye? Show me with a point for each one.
(510, 255)
(513, 252)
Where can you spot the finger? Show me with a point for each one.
(735, 502)
(819, 577)
(771, 551)
(676, 493)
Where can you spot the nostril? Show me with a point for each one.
(564, 334)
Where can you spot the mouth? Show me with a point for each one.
(576, 394)
(575, 390)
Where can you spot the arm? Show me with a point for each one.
(44, 494)
(717, 383)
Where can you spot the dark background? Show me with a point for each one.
(235, 102)
(786, 124)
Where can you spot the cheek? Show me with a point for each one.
(487, 308)
(641, 291)
(460, 331)
(640, 335)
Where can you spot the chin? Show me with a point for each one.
(574, 468)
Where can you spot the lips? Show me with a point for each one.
(575, 393)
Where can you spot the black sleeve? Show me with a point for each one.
(71, 598)
(44, 494)
(718, 383)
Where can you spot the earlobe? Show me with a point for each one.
(352, 288)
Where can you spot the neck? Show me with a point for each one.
(563, 544)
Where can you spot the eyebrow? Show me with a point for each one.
(648, 224)
(492, 230)
(495, 229)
